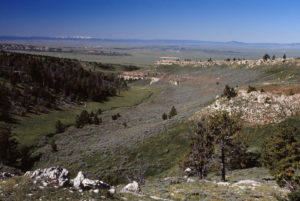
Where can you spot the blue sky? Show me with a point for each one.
(214, 20)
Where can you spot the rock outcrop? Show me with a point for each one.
(51, 175)
(256, 107)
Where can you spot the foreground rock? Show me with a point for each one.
(5, 175)
(52, 175)
(131, 187)
(83, 183)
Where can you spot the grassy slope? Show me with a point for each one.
(258, 134)
(29, 128)
(158, 155)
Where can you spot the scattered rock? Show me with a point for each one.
(112, 191)
(247, 182)
(78, 179)
(5, 175)
(190, 180)
(131, 187)
(223, 183)
(188, 170)
(83, 183)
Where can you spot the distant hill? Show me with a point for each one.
(160, 41)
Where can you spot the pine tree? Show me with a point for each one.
(96, 120)
(284, 56)
(82, 119)
(164, 116)
(266, 57)
(281, 154)
(202, 148)
(173, 112)
(229, 92)
(224, 128)
(8, 145)
(59, 127)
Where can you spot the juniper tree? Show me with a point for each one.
(281, 154)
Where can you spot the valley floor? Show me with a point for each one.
(112, 148)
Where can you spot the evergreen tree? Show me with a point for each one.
(266, 57)
(59, 127)
(224, 128)
(229, 92)
(273, 57)
(164, 116)
(82, 119)
(173, 112)
(284, 56)
(5, 104)
(96, 120)
(281, 154)
(8, 145)
(202, 148)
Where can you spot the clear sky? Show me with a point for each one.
(214, 20)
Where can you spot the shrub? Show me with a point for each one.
(294, 196)
(267, 100)
(59, 127)
(114, 117)
(262, 90)
(291, 93)
(96, 120)
(82, 119)
(229, 92)
(266, 57)
(53, 145)
(250, 89)
(99, 111)
(164, 116)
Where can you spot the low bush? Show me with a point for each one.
(229, 92)
(250, 89)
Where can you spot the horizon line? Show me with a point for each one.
(139, 39)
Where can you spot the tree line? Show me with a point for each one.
(29, 80)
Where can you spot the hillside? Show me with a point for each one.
(133, 141)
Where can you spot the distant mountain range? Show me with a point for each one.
(163, 41)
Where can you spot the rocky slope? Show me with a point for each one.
(54, 184)
(256, 107)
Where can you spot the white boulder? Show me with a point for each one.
(131, 187)
(83, 183)
(77, 182)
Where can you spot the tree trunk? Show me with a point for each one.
(223, 163)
